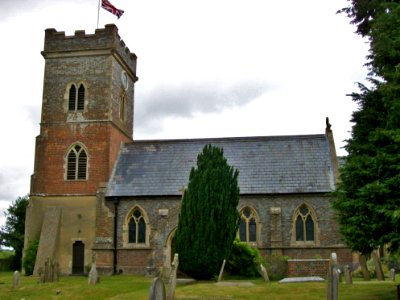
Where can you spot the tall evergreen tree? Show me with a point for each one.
(368, 197)
(209, 219)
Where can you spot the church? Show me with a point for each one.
(96, 193)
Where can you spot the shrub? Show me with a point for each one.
(277, 266)
(244, 260)
(29, 259)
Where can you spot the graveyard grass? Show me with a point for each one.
(135, 287)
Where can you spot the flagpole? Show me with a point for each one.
(98, 14)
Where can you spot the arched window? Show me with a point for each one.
(76, 98)
(77, 163)
(304, 226)
(136, 227)
(72, 98)
(248, 225)
(81, 97)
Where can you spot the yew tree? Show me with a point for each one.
(368, 196)
(209, 219)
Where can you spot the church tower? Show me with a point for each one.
(87, 112)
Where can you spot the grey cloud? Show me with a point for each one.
(10, 182)
(186, 100)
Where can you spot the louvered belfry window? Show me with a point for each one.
(72, 98)
(81, 97)
(76, 99)
(77, 164)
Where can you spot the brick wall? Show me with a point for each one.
(307, 267)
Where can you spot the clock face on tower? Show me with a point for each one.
(124, 80)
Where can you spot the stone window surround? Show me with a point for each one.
(125, 230)
(67, 94)
(314, 217)
(70, 148)
(258, 223)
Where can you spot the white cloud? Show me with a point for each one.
(206, 68)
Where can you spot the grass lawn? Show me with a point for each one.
(137, 288)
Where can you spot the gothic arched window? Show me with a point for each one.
(72, 98)
(136, 227)
(77, 163)
(305, 227)
(248, 225)
(81, 97)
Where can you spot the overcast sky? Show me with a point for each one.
(209, 68)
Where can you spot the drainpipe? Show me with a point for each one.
(116, 202)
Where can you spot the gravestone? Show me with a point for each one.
(93, 277)
(157, 290)
(378, 266)
(16, 278)
(392, 275)
(172, 277)
(347, 275)
(363, 264)
(333, 279)
(50, 272)
(221, 272)
(264, 273)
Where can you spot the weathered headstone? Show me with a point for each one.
(93, 277)
(378, 266)
(221, 272)
(157, 290)
(392, 275)
(16, 278)
(172, 277)
(347, 275)
(50, 272)
(333, 279)
(264, 273)
(364, 269)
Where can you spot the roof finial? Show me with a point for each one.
(328, 125)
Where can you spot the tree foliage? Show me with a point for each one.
(209, 219)
(368, 196)
(12, 232)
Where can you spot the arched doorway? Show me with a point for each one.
(78, 258)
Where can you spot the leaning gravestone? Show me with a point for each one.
(378, 266)
(172, 277)
(333, 279)
(16, 280)
(392, 275)
(347, 275)
(157, 290)
(264, 273)
(221, 272)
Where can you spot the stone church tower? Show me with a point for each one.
(87, 112)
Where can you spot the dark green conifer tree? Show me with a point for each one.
(368, 196)
(209, 219)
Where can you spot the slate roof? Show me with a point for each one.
(267, 165)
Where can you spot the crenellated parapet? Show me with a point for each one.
(103, 41)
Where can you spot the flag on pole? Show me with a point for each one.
(111, 8)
